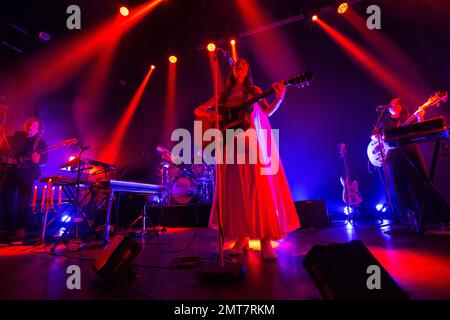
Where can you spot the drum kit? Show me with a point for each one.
(185, 183)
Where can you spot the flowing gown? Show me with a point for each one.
(254, 198)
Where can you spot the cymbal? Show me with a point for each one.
(165, 153)
(72, 164)
(86, 164)
(161, 149)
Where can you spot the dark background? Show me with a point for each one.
(339, 106)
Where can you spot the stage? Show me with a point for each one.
(168, 266)
(321, 122)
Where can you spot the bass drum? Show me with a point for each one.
(183, 190)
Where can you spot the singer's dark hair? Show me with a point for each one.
(404, 113)
(28, 123)
(248, 83)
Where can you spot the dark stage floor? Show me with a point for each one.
(420, 264)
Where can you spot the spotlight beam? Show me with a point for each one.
(274, 46)
(111, 150)
(386, 78)
(392, 54)
(234, 54)
(58, 65)
(170, 110)
(277, 24)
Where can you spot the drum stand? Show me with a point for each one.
(147, 225)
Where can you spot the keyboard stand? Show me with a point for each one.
(430, 187)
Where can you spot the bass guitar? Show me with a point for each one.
(350, 195)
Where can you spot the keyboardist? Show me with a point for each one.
(407, 187)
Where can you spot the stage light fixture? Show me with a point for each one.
(342, 8)
(173, 59)
(348, 210)
(211, 47)
(232, 42)
(66, 218)
(311, 10)
(124, 11)
(152, 66)
(44, 36)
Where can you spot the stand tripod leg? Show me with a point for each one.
(437, 147)
(44, 226)
(108, 216)
(429, 186)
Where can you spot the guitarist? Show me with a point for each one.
(23, 169)
(253, 206)
(408, 188)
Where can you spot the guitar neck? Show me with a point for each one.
(259, 97)
(253, 100)
(50, 148)
(409, 120)
(45, 150)
(347, 173)
(435, 100)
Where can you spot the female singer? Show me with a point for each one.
(253, 205)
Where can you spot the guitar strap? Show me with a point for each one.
(36, 142)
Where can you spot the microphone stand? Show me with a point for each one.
(78, 219)
(10, 155)
(219, 271)
(387, 186)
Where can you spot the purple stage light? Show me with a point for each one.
(44, 36)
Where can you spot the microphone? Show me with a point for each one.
(84, 148)
(383, 107)
(227, 55)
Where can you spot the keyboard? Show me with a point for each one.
(129, 186)
(428, 130)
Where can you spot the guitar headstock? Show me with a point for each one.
(342, 149)
(69, 142)
(436, 99)
(300, 81)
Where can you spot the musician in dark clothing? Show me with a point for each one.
(407, 186)
(24, 169)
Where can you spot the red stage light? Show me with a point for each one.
(152, 66)
(342, 8)
(233, 49)
(211, 47)
(124, 11)
(173, 59)
(314, 18)
(267, 47)
(112, 148)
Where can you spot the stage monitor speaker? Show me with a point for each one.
(349, 271)
(117, 256)
(312, 213)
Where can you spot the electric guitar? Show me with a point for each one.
(237, 117)
(378, 150)
(21, 160)
(350, 195)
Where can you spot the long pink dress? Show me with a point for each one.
(253, 204)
